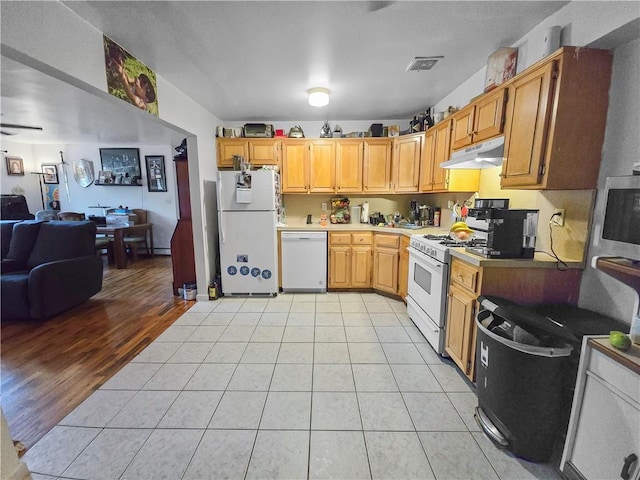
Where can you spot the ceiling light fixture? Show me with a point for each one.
(318, 97)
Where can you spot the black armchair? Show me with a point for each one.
(49, 267)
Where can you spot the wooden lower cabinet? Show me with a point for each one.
(350, 260)
(403, 267)
(461, 312)
(527, 284)
(385, 262)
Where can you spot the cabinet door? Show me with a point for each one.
(349, 158)
(427, 161)
(462, 127)
(442, 152)
(385, 270)
(339, 267)
(459, 330)
(322, 166)
(264, 152)
(488, 120)
(403, 267)
(228, 147)
(528, 112)
(295, 165)
(361, 266)
(406, 163)
(607, 417)
(377, 166)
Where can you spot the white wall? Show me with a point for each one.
(598, 291)
(51, 38)
(29, 183)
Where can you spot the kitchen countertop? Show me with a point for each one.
(332, 227)
(540, 260)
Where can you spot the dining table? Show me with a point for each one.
(118, 232)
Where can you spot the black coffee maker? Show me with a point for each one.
(509, 233)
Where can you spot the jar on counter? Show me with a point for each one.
(436, 217)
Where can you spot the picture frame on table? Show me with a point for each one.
(15, 166)
(156, 175)
(124, 165)
(50, 174)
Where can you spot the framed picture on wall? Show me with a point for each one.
(124, 165)
(15, 166)
(50, 174)
(156, 177)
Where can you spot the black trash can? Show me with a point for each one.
(521, 365)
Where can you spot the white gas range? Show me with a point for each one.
(429, 261)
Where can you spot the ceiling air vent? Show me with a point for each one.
(422, 63)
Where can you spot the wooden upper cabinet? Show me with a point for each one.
(428, 156)
(462, 127)
(529, 112)
(295, 166)
(228, 147)
(322, 166)
(264, 151)
(349, 159)
(377, 166)
(442, 152)
(555, 121)
(407, 152)
(479, 121)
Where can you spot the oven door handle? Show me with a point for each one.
(421, 258)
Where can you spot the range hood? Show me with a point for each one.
(480, 155)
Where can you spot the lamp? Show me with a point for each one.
(318, 97)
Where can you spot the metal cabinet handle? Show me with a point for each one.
(625, 474)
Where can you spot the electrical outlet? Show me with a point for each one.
(324, 206)
(558, 217)
(449, 204)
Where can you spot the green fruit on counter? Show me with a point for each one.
(619, 340)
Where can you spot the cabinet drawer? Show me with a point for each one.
(464, 275)
(361, 238)
(612, 373)
(388, 241)
(339, 239)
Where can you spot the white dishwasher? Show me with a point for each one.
(304, 261)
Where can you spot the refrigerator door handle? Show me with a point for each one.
(220, 196)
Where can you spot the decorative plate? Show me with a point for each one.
(83, 172)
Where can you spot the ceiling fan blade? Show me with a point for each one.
(25, 127)
(6, 133)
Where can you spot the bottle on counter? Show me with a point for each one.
(436, 217)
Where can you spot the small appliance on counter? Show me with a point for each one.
(508, 233)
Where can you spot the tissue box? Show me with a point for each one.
(501, 66)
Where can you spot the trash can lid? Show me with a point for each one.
(529, 320)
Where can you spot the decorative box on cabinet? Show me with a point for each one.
(603, 438)
(555, 121)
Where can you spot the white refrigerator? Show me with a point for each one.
(248, 208)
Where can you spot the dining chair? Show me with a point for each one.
(70, 216)
(133, 239)
(46, 215)
(102, 242)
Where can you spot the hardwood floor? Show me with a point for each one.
(50, 367)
